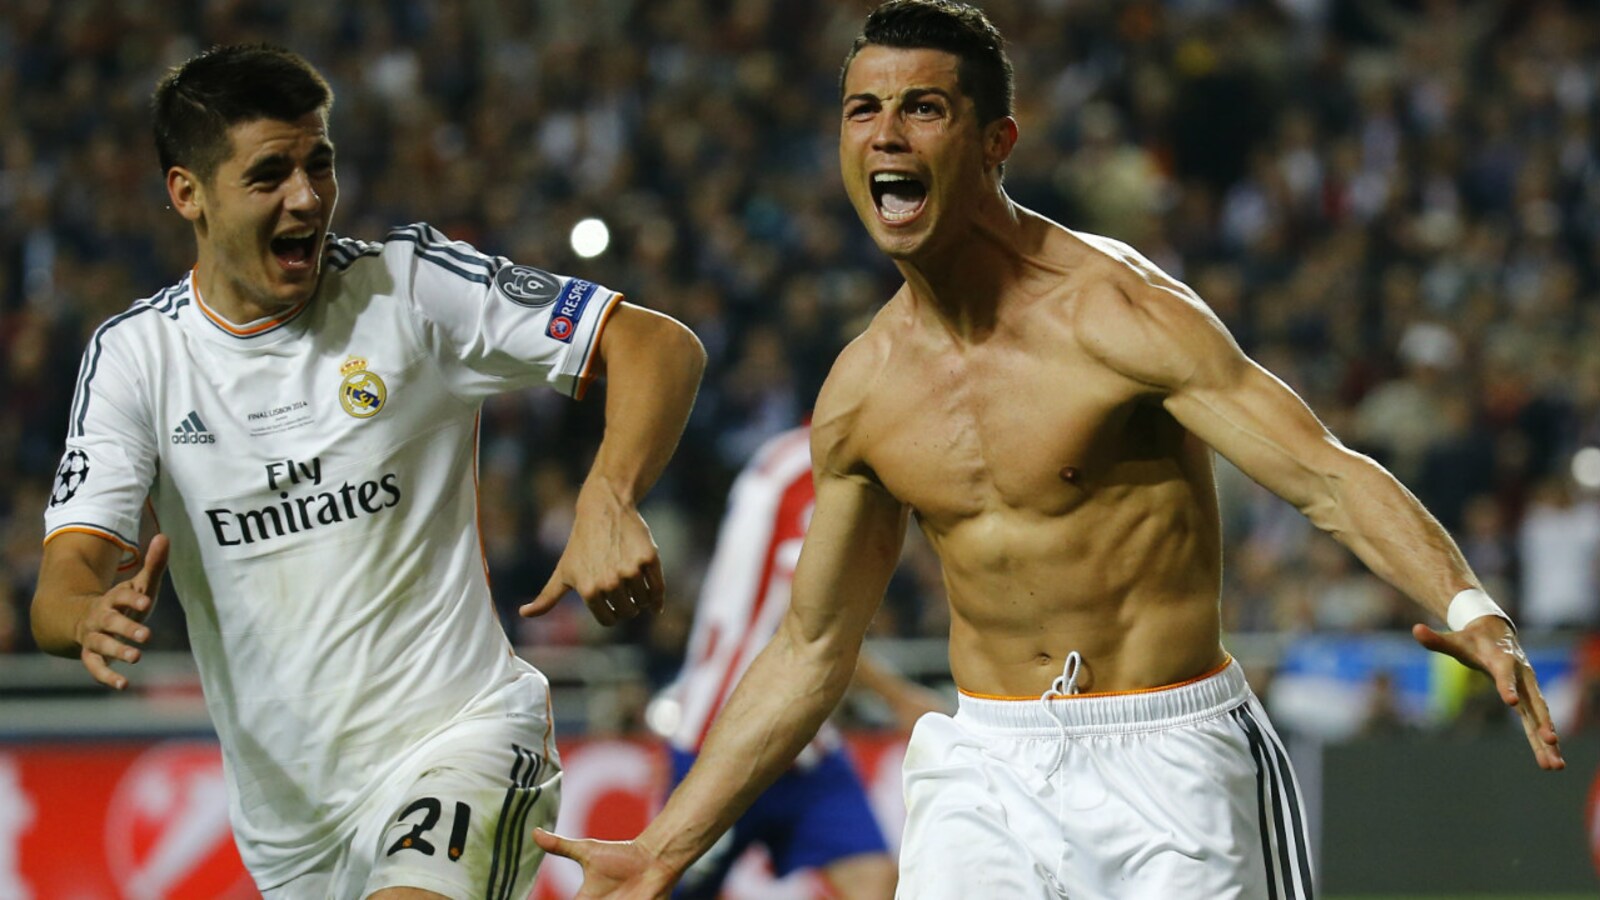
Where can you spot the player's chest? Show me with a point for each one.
(231, 422)
(957, 437)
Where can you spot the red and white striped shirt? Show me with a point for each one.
(747, 585)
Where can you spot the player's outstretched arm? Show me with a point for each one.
(77, 611)
(1159, 334)
(652, 366)
(849, 554)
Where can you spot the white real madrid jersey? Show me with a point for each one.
(316, 474)
(747, 586)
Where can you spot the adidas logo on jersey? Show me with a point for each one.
(192, 431)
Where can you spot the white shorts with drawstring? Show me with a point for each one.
(1174, 793)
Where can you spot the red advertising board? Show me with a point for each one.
(143, 821)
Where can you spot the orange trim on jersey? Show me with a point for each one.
(586, 376)
(229, 327)
(477, 505)
(1227, 661)
(122, 545)
(549, 724)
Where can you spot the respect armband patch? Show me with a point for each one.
(569, 310)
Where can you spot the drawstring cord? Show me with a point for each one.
(1065, 685)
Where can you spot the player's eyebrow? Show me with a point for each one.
(274, 161)
(265, 165)
(911, 93)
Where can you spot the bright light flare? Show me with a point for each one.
(590, 238)
(1586, 467)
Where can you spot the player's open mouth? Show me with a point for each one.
(295, 250)
(898, 196)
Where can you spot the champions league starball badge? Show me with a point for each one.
(74, 471)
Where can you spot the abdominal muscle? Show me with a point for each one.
(1129, 581)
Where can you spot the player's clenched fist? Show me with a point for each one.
(611, 561)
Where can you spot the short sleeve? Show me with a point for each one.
(110, 458)
(495, 325)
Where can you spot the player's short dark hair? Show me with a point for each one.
(984, 73)
(196, 103)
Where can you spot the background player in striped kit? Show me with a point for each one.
(1046, 402)
(301, 412)
(816, 815)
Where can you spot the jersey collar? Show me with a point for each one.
(261, 331)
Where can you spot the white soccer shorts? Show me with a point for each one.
(457, 818)
(1169, 794)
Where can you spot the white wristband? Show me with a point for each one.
(1472, 604)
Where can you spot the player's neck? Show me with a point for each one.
(226, 297)
(964, 281)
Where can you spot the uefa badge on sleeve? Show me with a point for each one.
(527, 286)
(361, 392)
(74, 471)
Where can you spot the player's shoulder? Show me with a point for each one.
(146, 319)
(1116, 286)
(1133, 316)
(847, 393)
(1109, 271)
(342, 252)
(413, 246)
(857, 366)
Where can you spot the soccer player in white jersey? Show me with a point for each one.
(816, 815)
(298, 415)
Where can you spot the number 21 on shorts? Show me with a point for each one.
(426, 811)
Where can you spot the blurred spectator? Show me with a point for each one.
(1402, 417)
(1559, 542)
(1384, 716)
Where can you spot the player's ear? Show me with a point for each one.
(186, 193)
(999, 137)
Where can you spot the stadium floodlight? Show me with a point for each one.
(590, 238)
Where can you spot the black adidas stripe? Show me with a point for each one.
(1291, 805)
(521, 829)
(432, 239)
(500, 826)
(506, 860)
(342, 251)
(1261, 802)
(455, 258)
(91, 365)
(1277, 800)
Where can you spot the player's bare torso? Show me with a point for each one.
(1069, 509)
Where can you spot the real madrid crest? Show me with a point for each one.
(361, 392)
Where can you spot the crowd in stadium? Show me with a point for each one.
(1394, 206)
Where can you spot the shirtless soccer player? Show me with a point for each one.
(299, 416)
(1047, 403)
